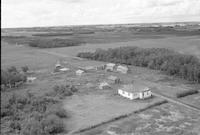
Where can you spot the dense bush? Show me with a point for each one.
(25, 68)
(186, 93)
(63, 90)
(172, 63)
(52, 124)
(12, 77)
(30, 115)
(52, 43)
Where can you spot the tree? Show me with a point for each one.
(12, 69)
(25, 68)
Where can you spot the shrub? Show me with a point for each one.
(15, 125)
(73, 88)
(186, 93)
(52, 124)
(6, 112)
(58, 111)
(12, 78)
(33, 127)
(64, 90)
(12, 69)
(25, 68)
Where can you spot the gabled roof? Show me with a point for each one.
(135, 87)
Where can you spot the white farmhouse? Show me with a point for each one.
(79, 72)
(122, 69)
(135, 91)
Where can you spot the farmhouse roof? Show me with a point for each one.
(136, 87)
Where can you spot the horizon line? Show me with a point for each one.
(77, 25)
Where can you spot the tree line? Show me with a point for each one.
(169, 61)
(53, 43)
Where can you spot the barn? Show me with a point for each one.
(122, 69)
(135, 91)
(110, 67)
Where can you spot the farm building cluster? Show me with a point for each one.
(131, 91)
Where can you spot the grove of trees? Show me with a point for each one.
(169, 61)
(53, 43)
(11, 77)
(31, 115)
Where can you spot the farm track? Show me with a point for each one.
(176, 101)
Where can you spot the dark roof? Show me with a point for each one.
(136, 87)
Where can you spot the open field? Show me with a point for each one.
(187, 45)
(166, 119)
(90, 105)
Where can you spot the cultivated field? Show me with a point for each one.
(166, 119)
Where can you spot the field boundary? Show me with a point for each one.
(176, 101)
(118, 117)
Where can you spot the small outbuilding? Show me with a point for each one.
(58, 65)
(110, 67)
(135, 91)
(64, 69)
(104, 85)
(101, 67)
(30, 79)
(122, 69)
(114, 79)
(79, 72)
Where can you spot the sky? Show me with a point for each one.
(32, 13)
